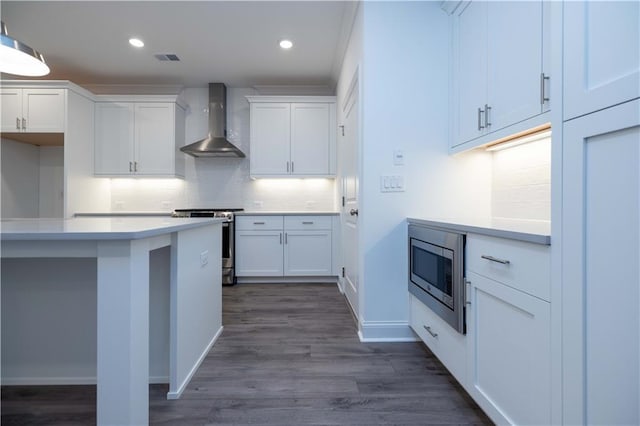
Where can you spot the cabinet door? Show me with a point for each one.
(601, 55)
(43, 110)
(600, 268)
(470, 72)
(270, 138)
(11, 109)
(307, 253)
(510, 357)
(514, 62)
(259, 253)
(154, 139)
(443, 340)
(310, 139)
(113, 154)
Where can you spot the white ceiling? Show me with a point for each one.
(234, 42)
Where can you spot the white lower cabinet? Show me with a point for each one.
(446, 343)
(509, 353)
(259, 253)
(275, 246)
(504, 359)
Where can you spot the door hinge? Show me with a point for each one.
(343, 201)
(343, 272)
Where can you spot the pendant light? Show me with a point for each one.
(19, 59)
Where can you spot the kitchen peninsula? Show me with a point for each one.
(84, 300)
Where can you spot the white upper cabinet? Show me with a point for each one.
(33, 110)
(310, 138)
(471, 71)
(601, 55)
(139, 138)
(113, 138)
(499, 79)
(292, 138)
(270, 131)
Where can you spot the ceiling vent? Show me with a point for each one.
(167, 57)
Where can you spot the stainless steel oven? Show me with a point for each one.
(228, 237)
(436, 272)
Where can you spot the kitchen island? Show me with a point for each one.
(80, 304)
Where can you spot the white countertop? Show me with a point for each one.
(96, 228)
(537, 232)
(286, 213)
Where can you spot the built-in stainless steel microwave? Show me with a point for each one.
(436, 272)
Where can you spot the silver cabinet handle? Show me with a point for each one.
(24, 124)
(287, 167)
(258, 223)
(281, 238)
(292, 167)
(130, 166)
(495, 259)
(286, 239)
(307, 223)
(135, 166)
(18, 123)
(480, 112)
(543, 80)
(487, 123)
(430, 332)
(353, 212)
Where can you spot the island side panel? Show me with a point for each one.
(48, 320)
(123, 332)
(196, 301)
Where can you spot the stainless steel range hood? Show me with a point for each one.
(216, 143)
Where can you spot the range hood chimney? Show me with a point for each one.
(216, 143)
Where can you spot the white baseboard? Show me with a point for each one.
(45, 381)
(280, 280)
(386, 331)
(178, 392)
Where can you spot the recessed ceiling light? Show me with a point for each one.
(286, 44)
(136, 42)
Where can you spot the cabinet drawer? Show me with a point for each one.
(254, 223)
(307, 222)
(445, 342)
(528, 269)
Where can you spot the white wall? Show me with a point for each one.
(20, 179)
(51, 185)
(521, 184)
(221, 182)
(84, 192)
(404, 103)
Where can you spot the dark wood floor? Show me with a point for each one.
(289, 355)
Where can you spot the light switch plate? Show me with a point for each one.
(391, 183)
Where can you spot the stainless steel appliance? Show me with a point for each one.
(228, 237)
(436, 272)
(216, 143)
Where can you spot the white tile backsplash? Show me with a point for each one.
(521, 182)
(221, 182)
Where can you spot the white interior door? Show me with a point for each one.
(349, 182)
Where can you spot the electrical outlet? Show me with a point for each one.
(204, 258)
(398, 157)
(258, 204)
(119, 205)
(166, 205)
